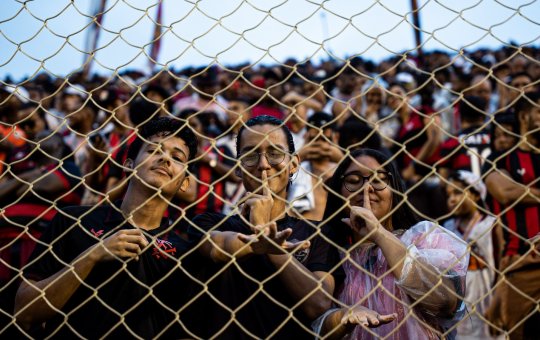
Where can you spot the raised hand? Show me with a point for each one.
(363, 221)
(258, 208)
(366, 317)
(267, 239)
(125, 243)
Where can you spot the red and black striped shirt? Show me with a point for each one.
(520, 221)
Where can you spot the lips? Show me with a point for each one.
(360, 203)
(162, 170)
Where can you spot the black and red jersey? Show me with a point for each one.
(467, 151)
(211, 194)
(143, 298)
(22, 222)
(413, 136)
(520, 221)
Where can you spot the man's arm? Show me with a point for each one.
(315, 288)
(506, 191)
(37, 301)
(301, 283)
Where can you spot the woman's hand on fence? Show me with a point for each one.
(366, 317)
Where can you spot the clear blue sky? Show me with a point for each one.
(46, 34)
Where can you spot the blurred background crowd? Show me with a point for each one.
(433, 114)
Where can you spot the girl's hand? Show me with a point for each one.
(363, 221)
(366, 317)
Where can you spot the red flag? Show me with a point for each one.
(156, 38)
(92, 37)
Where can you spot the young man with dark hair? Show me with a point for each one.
(257, 289)
(511, 177)
(112, 270)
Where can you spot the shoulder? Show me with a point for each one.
(218, 221)
(84, 212)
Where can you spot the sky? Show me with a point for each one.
(49, 36)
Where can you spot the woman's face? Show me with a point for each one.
(502, 140)
(397, 98)
(355, 179)
(460, 202)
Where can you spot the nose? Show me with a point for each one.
(164, 157)
(263, 162)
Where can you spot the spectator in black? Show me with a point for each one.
(512, 179)
(111, 270)
(266, 151)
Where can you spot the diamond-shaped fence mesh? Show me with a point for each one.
(313, 197)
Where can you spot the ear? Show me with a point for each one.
(523, 117)
(294, 164)
(185, 183)
(128, 165)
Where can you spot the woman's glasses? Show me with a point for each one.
(354, 181)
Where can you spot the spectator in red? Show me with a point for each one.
(472, 144)
(418, 138)
(28, 210)
(270, 95)
(11, 135)
(512, 179)
(214, 167)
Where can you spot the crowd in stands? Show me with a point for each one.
(406, 190)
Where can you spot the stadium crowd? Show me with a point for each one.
(354, 199)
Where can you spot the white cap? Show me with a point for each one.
(19, 92)
(474, 181)
(76, 90)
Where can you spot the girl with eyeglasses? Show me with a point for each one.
(393, 263)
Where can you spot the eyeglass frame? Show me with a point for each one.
(242, 158)
(367, 179)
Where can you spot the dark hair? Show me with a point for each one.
(358, 134)
(472, 109)
(266, 120)
(505, 118)
(527, 102)
(519, 74)
(322, 120)
(140, 110)
(402, 218)
(454, 176)
(163, 126)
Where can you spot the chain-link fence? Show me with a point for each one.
(334, 197)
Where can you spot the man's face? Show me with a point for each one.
(237, 113)
(518, 84)
(529, 121)
(346, 83)
(482, 89)
(71, 103)
(270, 141)
(534, 122)
(315, 135)
(162, 164)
